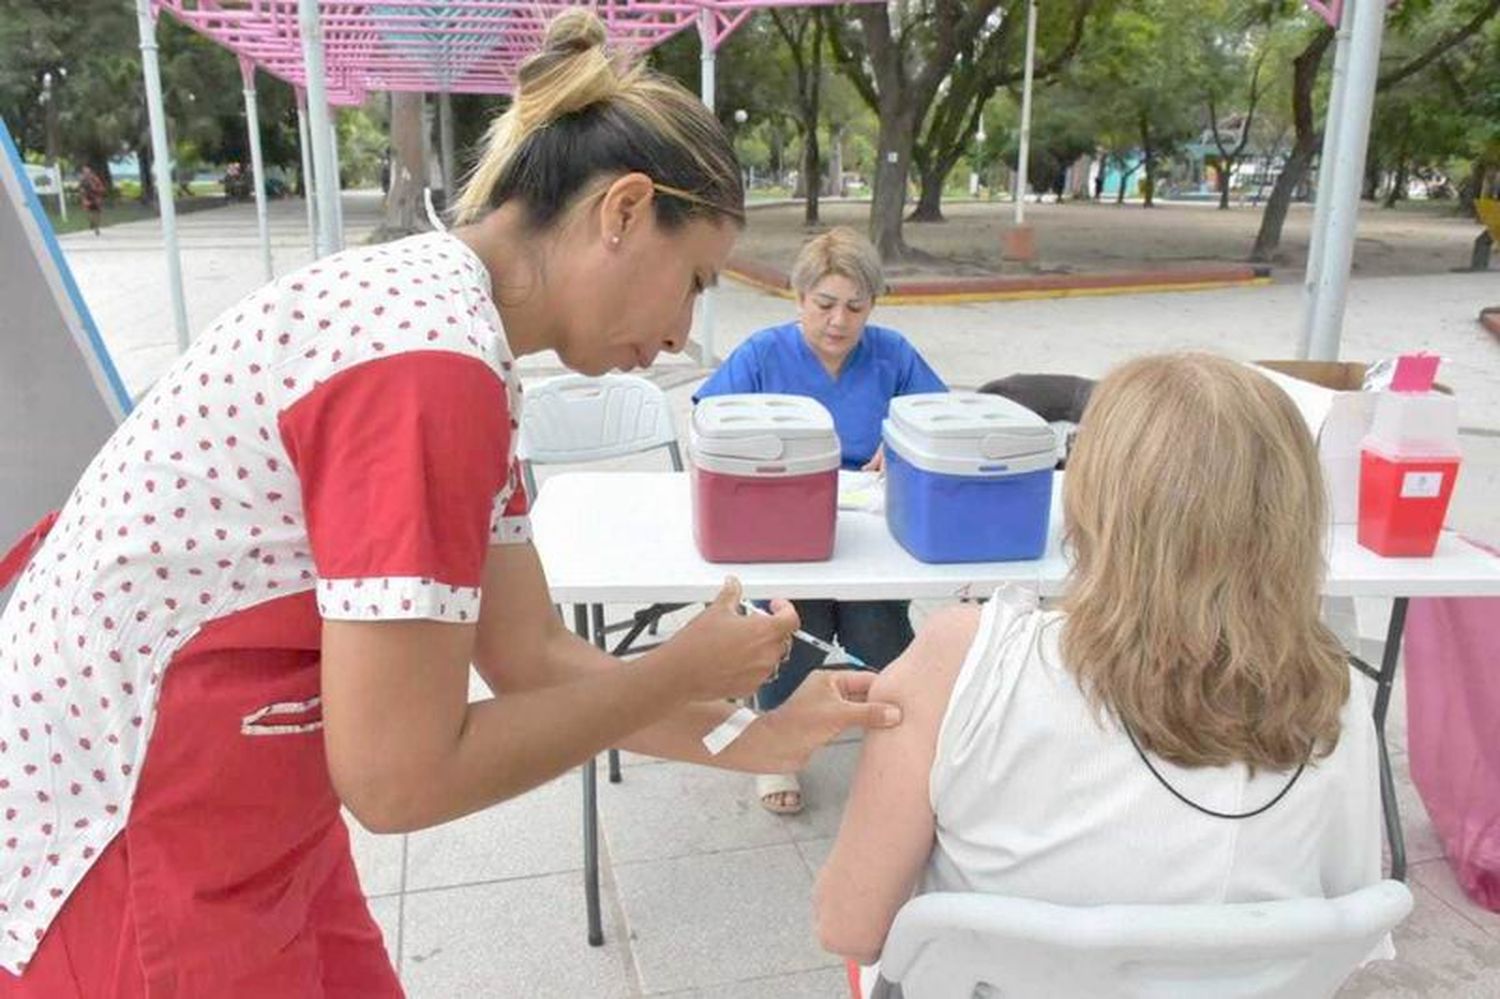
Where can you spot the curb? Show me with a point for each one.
(932, 291)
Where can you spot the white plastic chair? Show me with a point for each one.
(574, 419)
(962, 945)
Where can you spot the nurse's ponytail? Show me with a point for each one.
(578, 117)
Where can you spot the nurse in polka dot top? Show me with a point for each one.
(262, 599)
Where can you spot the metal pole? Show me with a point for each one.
(445, 145)
(309, 190)
(257, 168)
(317, 124)
(1326, 160)
(162, 164)
(1025, 150)
(335, 183)
(706, 304)
(1353, 123)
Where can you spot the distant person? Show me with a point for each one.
(91, 191)
(1182, 727)
(832, 354)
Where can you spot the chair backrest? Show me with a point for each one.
(574, 419)
(962, 945)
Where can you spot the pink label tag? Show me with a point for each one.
(1414, 373)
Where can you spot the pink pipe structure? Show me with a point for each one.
(453, 46)
(1330, 11)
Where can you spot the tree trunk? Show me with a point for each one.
(812, 170)
(836, 168)
(1269, 237)
(1099, 178)
(148, 178)
(1225, 169)
(897, 131)
(1150, 154)
(1372, 180)
(1304, 78)
(1472, 188)
(403, 203)
(1398, 184)
(930, 203)
(1125, 176)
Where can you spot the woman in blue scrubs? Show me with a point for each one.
(854, 369)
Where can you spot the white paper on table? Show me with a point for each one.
(862, 491)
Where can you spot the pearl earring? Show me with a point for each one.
(614, 240)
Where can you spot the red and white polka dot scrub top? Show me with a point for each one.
(345, 435)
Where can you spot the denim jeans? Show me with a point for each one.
(876, 631)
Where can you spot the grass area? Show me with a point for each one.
(125, 207)
(78, 219)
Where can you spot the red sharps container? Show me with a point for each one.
(764, 476)
(1408, 465)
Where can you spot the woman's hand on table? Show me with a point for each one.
(877, 463)
(722, 653)
(828, 702)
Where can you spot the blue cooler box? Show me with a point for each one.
(968, 477)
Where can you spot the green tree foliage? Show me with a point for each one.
(1441, 122)
(1143, 67)
(926, 68)
(997, 60)
(91, 48)
(1419, 35)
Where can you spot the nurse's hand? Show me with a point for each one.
(877, 463)
(723, 653)
(827, 703)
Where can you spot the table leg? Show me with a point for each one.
(590, 820)
(596, 612)
(1384, 685)
(1385, 680)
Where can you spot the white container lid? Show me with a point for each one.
(969, 433)
(763, 434)
(1414, 425)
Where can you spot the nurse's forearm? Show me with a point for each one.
(512, 743)
(516, 742)
(678, 735)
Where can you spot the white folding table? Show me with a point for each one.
(626, 538)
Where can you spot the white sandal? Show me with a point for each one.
(769, 788)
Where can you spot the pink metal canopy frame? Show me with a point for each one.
(453, 46)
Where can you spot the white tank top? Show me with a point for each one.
(1037, 796)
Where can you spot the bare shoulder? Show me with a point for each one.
(924, 674)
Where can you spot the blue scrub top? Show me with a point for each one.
(882, 366)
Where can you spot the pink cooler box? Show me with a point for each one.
(764, 478)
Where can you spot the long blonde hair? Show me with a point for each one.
(578, 117)
(1194, 507)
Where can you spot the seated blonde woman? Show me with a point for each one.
(1182, 729)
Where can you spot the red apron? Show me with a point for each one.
(233, 875)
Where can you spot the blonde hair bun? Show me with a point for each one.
(579, 114)
(576, 30)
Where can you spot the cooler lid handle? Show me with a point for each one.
(1004, 445)
(763, 447)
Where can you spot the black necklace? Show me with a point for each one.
(1193, 804)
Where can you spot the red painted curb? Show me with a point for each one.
(772, 277)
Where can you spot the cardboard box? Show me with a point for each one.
(1330, 397)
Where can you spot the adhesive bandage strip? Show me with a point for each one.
(728, 730)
